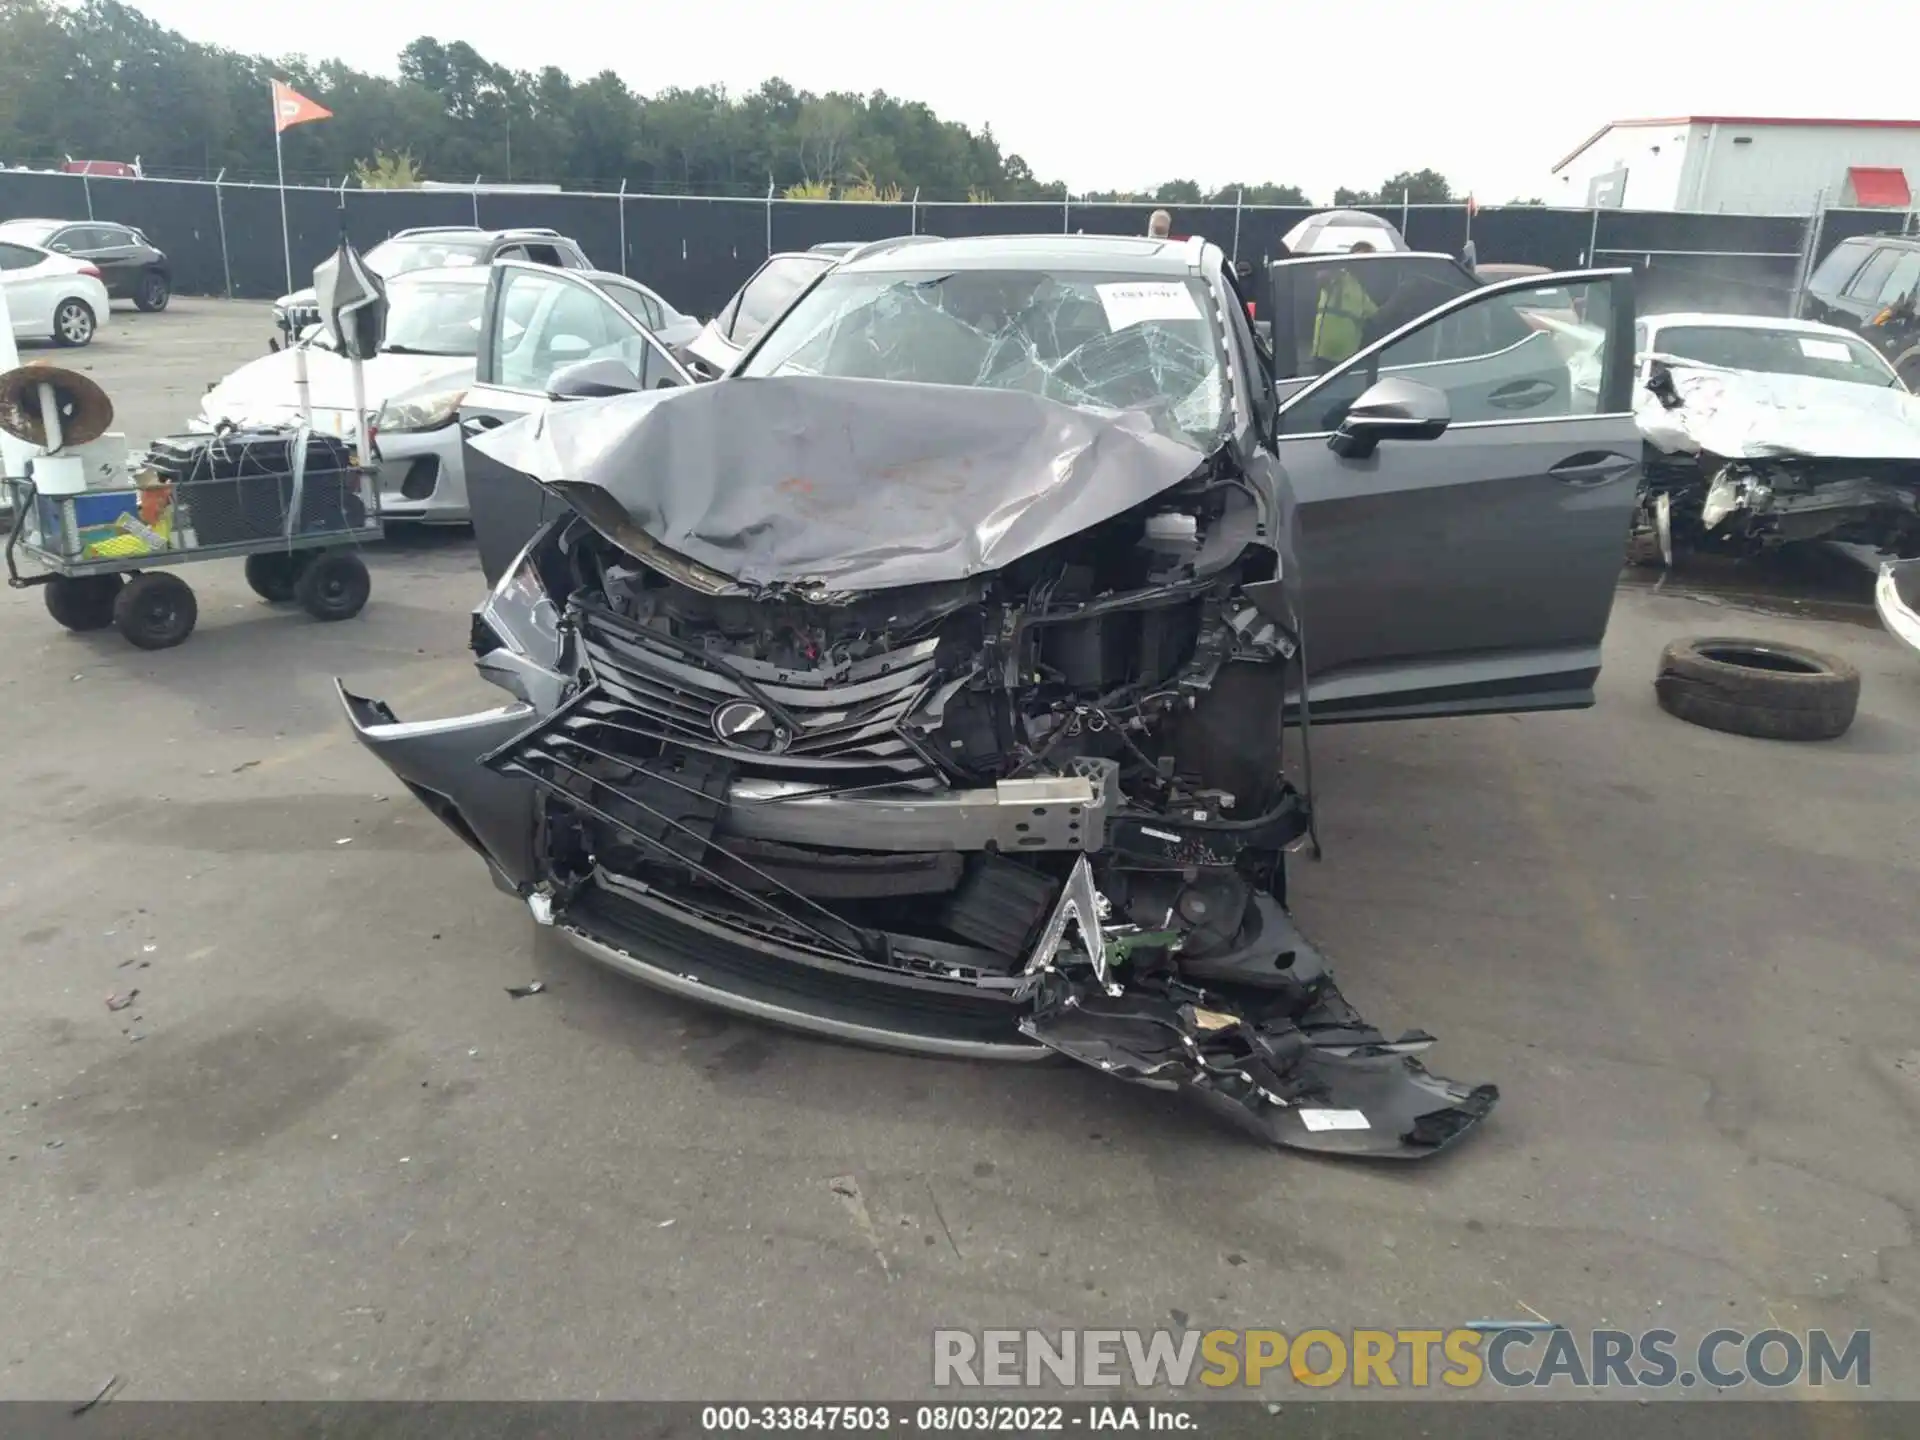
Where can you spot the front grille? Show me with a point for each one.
(847, 725)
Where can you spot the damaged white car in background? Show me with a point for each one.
(1762, 432)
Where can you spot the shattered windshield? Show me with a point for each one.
(1105, 341)
(1777, 352)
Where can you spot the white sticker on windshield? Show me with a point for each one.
(1825, 350)
(1134, 302)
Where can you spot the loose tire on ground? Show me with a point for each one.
(334, 585)
(275, 575)
(156, 611)
(83, 602)
(153, 293)
(1764, 688)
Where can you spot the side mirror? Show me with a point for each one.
(1390, 409)
(592, 380)
(60, 247)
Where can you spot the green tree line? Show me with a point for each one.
(100, 80)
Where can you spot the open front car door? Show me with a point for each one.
(546, 336)
(1464, 464)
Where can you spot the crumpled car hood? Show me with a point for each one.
(847, 484)
(1748, 415)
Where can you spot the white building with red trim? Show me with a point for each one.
(1742, 164)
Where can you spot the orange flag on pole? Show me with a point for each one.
(291, 108)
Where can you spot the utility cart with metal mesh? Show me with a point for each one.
(293, 503)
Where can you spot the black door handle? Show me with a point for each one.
(479, 424)
(1593, 467)
(1522, 394)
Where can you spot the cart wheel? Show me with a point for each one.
(333, 586)
(275, 575)
(83, 602)
(155, 611)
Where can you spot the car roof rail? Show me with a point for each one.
(532, 230)
(434, 230)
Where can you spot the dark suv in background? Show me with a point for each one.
(1871, 285)
(432, 247)
(131, 266)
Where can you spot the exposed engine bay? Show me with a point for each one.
(1041, 806)
(1744, 462)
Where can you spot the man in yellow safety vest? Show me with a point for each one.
(1341, 314)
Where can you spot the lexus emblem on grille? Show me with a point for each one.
(743, 723)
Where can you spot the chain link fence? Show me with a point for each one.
(223, 237)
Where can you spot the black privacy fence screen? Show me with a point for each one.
(225, 239)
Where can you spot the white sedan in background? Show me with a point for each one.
(52, 296)
(413, 386)
(1767, 344)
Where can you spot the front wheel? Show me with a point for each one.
(153, 293)
(333, 586)
(156, 611)
(73, 324)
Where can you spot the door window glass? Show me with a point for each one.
(544, 255)
(18, 257)
(548, 323)
(1866, 285)
(770, 292)
(1500, 356)
(1837, 268)
(637, 302)
(1900, 283)
(1341, 306)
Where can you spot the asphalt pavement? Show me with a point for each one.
(322, 1154)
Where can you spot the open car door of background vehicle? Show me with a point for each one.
(539, 326)
(1468, 567)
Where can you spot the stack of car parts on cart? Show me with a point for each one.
(104, 526)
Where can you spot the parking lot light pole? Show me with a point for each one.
(621, 201)
(220, 214)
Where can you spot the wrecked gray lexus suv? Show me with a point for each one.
(925, 681)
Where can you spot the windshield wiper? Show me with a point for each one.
(416, 350)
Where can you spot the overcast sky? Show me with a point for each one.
(1124, 93)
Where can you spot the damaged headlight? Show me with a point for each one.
(520, 614)
(427, 412)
